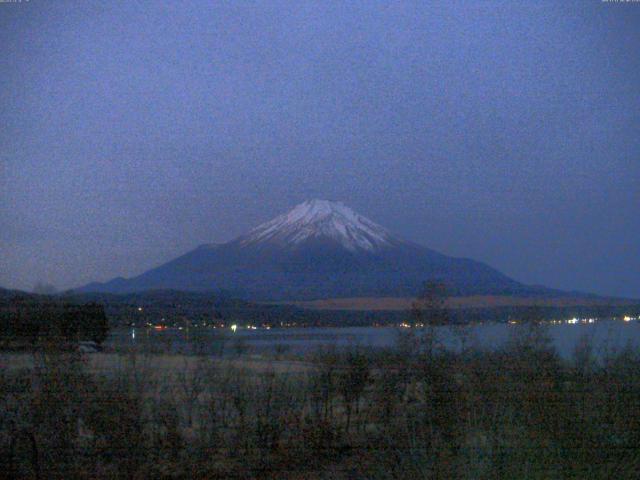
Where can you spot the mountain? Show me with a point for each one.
(320, 249)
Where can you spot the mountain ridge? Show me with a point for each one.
(319, 249)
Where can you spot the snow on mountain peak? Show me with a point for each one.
(316, 219)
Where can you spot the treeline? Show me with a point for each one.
(178, 307)
(415, 411)
(29, 321)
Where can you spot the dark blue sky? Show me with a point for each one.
(508, 132)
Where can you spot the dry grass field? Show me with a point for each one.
(477, 301)
(101, 363)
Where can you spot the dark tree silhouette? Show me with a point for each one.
(430, 307)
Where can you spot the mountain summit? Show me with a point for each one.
(322, 220)
(319, 249)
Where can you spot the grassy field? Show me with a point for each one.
(159, 364)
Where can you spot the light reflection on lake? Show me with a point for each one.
(606, 335)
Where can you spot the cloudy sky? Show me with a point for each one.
(508, 132)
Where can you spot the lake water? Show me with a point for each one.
(605, 335)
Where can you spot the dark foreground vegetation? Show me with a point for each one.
(415, 411)
(28, 321)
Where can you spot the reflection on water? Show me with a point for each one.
(605, 336)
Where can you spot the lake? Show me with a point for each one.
(606, 335)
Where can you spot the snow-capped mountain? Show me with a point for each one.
(319, 249)
(321, 219)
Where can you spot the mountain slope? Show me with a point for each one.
(319, 249)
